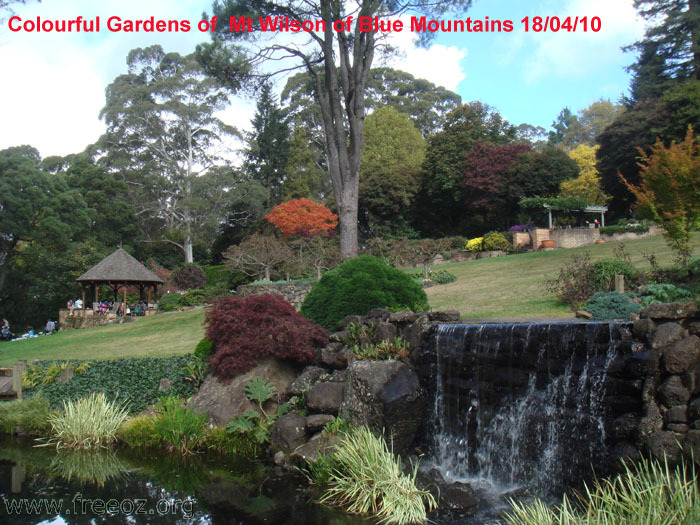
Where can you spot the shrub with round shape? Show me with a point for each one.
(357, 286)
(245, 330)
(495, 241)
(189, 277)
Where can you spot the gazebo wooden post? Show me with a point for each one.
(124, 296)
(83, 288)
(148, 302)
(97, 295)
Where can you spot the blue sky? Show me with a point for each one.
(53, 84)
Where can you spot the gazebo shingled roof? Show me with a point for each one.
(120, 267)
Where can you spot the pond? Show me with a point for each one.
(39, 485)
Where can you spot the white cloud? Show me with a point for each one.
(440, 64)
(566, 54)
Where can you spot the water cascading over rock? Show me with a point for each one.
(522, 404)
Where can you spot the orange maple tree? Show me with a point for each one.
(302, 217)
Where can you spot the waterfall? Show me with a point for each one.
(521, 404)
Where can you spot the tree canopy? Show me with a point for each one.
(339, 63)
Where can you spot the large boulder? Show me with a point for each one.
(386, 396)
(325, 398)
(670, 310)
(288, 432)
(223, 401)
(683, 354)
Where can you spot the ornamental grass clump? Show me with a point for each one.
(368, 479)
(87, 423)
(648, 493)
(180, 428)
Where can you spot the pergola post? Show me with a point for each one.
(549, 211)
(602, 219)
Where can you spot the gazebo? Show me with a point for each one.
(118, 270)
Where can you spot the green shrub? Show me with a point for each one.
(605, 270)
(203, 349)
(180, 428)
(495, 241)
(436, 277)
(607, 306)
(133, 382)
(646, 494)
(90, 422)
(664, 293)
(31, 415)
(140, 432)
(357, 286)
(216, 274)
(169, 302)
(367, 478)
(243, 445)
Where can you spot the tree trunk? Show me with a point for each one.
(187, 248)
(267, 273)
(426, 270)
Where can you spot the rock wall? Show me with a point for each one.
(662, 412)
(295, 293)
(385, 395)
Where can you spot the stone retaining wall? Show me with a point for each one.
(574, 237)
(295, 293)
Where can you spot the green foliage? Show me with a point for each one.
(216, 274)
(436, 277)
(134, 382)
(243, 445)
(609, 306)
(203, 349)
(604, 272)
(357, 286)
(495, 241)
(337, 426)
(257, 423)
(663, 293)
(94, 467)
(390, 170)
(169, 302)
(31, 415)
(88, 423)
(355, 332)
(647, 493)
(140, 432)
(368, 479)
(196, 371)
(180, 428)
(565, 204)
(394, 349)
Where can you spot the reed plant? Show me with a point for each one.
(648, 493)
(140, 432)
(31, 415)
(87, 423)
(88, 466)
(181, 428)
(368, 479)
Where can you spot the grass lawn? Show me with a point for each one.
(156, 336)
(513, 286)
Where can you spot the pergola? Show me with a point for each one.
(118, 270)
(588, 209)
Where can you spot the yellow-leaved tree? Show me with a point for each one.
(587, 185)
(669, 193)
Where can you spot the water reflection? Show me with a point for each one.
(43, 486)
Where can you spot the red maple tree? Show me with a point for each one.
(302, 217)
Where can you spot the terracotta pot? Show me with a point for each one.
(600, 241)
(548, 243)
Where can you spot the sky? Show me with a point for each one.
(52, 84)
